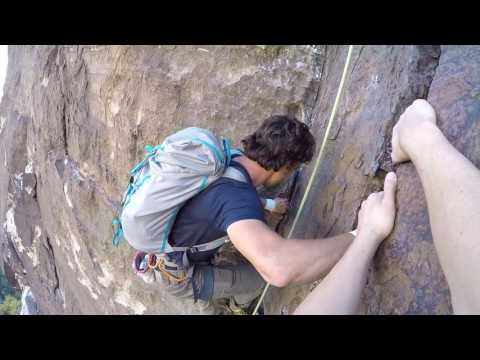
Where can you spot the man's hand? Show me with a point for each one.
(377, 213)
(281, 206)
(412, 129)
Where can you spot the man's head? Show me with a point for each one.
(280, 145)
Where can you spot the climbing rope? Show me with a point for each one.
(317, 162)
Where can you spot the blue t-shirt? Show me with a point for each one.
(206, 216)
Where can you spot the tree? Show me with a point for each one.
(10, 306)
(9, 298)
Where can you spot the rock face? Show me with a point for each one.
(29, 307)
(74, 120)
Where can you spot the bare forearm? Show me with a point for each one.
(286, 261)
(452, 189)
(339, 292)
(310, 259)
(452, 186)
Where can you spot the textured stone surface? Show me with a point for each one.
(29, 306)
(414, 282)
(74, 119)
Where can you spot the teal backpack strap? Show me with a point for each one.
(150, 151)
(117, 232)
(228, 152)
(236, 152)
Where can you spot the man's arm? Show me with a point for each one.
(452, 190)
(339, 292)
(285, 261)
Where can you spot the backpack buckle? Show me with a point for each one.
(193, 250)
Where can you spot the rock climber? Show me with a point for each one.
(270, 155)
(452, 189)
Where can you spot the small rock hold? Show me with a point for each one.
(359, 162)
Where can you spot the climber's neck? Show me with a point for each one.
(257, 173)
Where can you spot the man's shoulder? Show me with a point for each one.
(230, 185)
(224, 190)
(234, 201)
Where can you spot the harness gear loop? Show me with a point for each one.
(317, 162)
(152, 261)
(157, 263)
(160, 266)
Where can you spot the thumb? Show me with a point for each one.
(389, 189)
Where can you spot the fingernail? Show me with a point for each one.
(391, 176)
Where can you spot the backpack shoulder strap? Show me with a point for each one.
(201, 247)
(209, 245)
(234, 174)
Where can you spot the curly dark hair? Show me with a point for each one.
(280, 140)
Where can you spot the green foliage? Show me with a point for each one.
(272, 50)
(10, 306)
(9, 298)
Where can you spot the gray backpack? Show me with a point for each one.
(169, 175)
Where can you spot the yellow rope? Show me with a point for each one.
(317, 162)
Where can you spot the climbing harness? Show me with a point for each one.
(317, 162)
